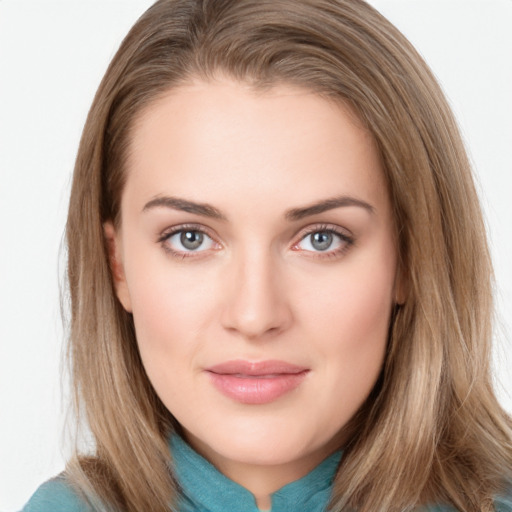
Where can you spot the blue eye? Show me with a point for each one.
(325, 240)
(188, 240)
(322, 240)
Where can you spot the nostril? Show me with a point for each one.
(253, 319)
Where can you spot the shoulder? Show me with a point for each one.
(503, 502)
(56, 495)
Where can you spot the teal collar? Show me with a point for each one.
(205, 489)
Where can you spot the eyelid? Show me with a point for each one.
(167, 233)
(345, 235)
(315, 228)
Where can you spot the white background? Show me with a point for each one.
(52, 57)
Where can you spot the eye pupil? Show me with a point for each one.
(321, 240)
(191, 239)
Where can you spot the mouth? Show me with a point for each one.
(258, 382)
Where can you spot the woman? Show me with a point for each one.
(280, 284)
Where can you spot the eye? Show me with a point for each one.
(324, 240)
(319, 241)
(184, 241)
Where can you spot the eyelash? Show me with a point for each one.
(347, 240)
(166, 235)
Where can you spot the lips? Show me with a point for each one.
(256, 382)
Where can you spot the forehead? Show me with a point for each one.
(226, 138)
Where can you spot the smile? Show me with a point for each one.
(256, 382)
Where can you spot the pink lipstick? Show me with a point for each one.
(256, 382)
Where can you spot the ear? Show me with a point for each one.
(116, 265)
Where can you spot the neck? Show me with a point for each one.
(262, 480)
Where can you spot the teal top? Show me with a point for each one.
(205, 489)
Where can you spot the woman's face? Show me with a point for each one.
(257, 255)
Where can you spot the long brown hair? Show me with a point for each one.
(432, 429)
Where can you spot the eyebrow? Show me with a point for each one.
(207, 210)
(327, 204)
(176, 203)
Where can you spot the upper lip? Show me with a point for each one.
(256, 368)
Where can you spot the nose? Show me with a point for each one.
(257, 305)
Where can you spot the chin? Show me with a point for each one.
(254, 444)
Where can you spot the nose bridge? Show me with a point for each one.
(257, 304)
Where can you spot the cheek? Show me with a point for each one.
(349, 319)
(169, 307)
(166, 308)
(354, 307)
(165, 325)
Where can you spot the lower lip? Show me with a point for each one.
(256, 389)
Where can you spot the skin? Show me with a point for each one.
(257, 288)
